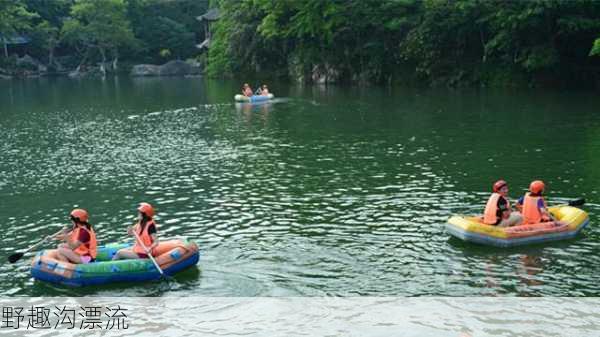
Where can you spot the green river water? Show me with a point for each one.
(325, 191)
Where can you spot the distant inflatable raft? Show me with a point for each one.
(172, 256)
(253, 98)
(472, 229)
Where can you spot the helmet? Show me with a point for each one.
(80, 215)
(147, 209)
(537, 187)
(498, 185)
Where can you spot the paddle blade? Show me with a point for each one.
(577, 202)
(15, 257)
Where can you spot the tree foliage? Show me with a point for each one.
(166, 25)
(433, 41)
(94, 30)
(100, 25)
(14, 18)
(595, 48)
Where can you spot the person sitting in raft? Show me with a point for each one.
(264, 90)
(246, 90)
(80, 243)
(497, 210)
(146, 230)
(533, 206)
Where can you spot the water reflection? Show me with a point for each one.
(250, 110)
(528, 269)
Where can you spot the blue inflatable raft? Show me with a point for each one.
(253, 98)
(172, 256)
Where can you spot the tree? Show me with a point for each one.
(166, 25)
(101, 26)
(595, 48)
(14, 18)
(47, 37)
(45, 33)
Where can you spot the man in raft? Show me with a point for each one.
(80, 243)
(534, 207)
(145, 228)
(498, 211)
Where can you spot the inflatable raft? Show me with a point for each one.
(253, 98)
(172, 256)
(472, 229)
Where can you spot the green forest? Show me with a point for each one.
(431, 42)
(535, 43)
(65, 34)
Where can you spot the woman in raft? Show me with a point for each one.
(498, 211)
(80, 242)
(145, 228)
(246, 90)
(264, 90)
(534, 207)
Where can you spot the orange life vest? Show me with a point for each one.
(490, 215)
(531, 212)
(144, 236)
(88, 248)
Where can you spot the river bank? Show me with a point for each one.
(489, 76)
(28, 67)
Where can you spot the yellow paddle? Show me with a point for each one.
(137, 237)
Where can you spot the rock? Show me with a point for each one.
(80, 72)
(28, 61)
(75, 74)
(324, 73)
(364, 77)
(194, 63)
(296, 69)
(171, 68)
(56, 67)
(145, 70)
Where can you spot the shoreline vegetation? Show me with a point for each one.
(535, 43)
(433, 43)
(82, 38)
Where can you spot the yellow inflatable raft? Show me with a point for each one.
(472, 229)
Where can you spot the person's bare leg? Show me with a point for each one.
(124, 254)
(515, 219)
(60, 257)
(69, 255)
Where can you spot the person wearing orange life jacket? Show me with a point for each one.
(533, 206)
(146, 230)
(497, 210)
(80, 242)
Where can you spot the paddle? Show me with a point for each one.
(576, 202)
(17, 256)
(572, 203)
(149, 254)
